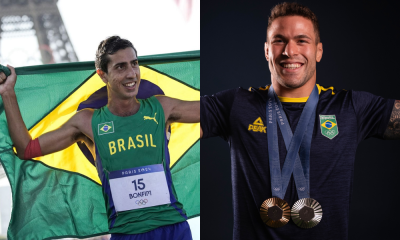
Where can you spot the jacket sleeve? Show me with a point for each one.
(215, 113)
(373, 114)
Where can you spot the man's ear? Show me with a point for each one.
(102, 75)
(319, 52)
(266, 51)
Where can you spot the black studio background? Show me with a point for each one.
(361, 51)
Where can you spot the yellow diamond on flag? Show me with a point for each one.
(105, 128)
(328, 124)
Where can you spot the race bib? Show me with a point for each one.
(139, 187)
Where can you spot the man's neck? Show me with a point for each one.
(303, 91)
(123, 107)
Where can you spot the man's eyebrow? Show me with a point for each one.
(302, 36)
(124, 63)
(120, 63)
(278, 36)
(296, 37)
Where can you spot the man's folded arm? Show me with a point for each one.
(393, 128)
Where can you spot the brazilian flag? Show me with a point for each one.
(59, 195)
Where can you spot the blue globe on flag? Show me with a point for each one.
(328, 124)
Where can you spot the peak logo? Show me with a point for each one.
(258, 126)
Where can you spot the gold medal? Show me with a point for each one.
(306, 213)
(275, 212)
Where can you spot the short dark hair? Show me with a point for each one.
(107, 47)
(294, 9)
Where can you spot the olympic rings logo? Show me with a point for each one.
(331, 132)
(141, 202)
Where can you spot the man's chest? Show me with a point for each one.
(334, 132)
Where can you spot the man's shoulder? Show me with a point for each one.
(230, 95)
(83, 119)
(335, 94)
(85, 114)
(226, 92)
(332, 93)
(251, 94)
(81, 122)
(157, 98)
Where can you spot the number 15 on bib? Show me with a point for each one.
(139, 187)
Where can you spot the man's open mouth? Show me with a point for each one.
(131, 84)
(291, 65)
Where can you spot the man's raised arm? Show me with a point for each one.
(393, 128)
(176, 110)
(54, 141)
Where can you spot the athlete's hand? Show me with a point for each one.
(7, 83)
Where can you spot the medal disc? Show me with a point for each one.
(306, 213)
(275, 212)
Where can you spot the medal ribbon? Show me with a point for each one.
(302, 137)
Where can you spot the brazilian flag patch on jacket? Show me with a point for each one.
(329, 126)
